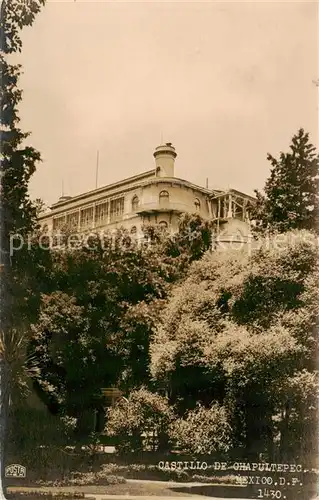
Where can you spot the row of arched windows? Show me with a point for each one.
(163, 198)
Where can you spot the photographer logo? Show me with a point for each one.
(15, 470)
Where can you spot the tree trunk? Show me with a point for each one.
(283, 447)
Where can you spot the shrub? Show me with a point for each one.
(203, 431)
(227, 479)
(95, 478)
(103, 477)
(140, 422)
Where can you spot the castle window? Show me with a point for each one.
(86, 217)
(101, 213)
(163, 225)
(163, 197)
(135, 203)
(197, 204)
(72, 220)
(58, 223)
(117, 208)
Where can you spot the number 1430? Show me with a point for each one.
(266, 493)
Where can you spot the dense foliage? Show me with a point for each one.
(239, 331)
(80, 340)
(97, 313)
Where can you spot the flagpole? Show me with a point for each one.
(316, 83)
(97, 169)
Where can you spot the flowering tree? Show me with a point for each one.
(203, 431)
(132, 420)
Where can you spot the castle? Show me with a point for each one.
(153, 197)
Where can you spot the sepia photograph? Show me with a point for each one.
(159, 234)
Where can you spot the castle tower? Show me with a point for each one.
(164, 160)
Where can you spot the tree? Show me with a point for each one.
(17, 166)
(236, 332)
(18, 162)
(87, 331)
(291, 199)
(137, 325)
(39, 206)
(192, 240)
(111, 290)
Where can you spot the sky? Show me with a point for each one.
(225, 82)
